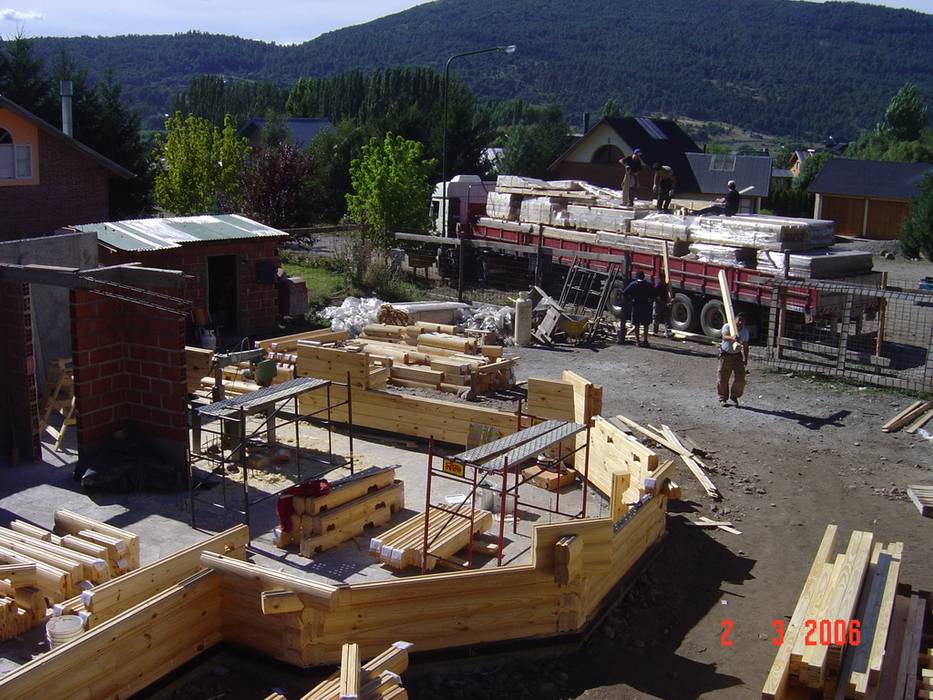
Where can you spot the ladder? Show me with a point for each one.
(61, 398)
(586, 292)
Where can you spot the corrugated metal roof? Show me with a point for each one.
(714, 170)
(873, 179)
(174, 232)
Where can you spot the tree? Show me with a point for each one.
(332, 151)
(276, 186)
(200, 165)
(612, 109)
(906, 114)
(810, 169)
(917, 229)
(391, 188)
(23, 79)
(529, 149)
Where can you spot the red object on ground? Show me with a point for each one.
(284, 506)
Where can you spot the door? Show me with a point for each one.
(222, 293)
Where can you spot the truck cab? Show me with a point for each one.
(466, 198)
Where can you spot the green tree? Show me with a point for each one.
(391, 188)
(810, 169)
(277, 186)
(332, 151)
(200, 166)
(612, 109)
(906, 114)
(23, 79)
(529, 149)
(917, 229)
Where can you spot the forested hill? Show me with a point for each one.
(783, 67)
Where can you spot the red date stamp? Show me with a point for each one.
(824, 633)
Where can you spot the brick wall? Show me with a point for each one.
(129, 364)
(72, 189)
(257, 302)
(19, 410)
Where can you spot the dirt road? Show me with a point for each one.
(797, 455)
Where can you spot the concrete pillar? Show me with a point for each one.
(865, 221)
(818, 207)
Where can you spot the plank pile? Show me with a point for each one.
(448, 531)
(922, 497)
(914, 417)
(437, 356)
(318, 523)
(39, 568)
(842, 637)
(198, 365)
(378, 678)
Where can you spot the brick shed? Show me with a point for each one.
(231, 263)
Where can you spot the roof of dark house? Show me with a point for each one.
(116, 169)
(661, 141)
(713, 171)
(873, 179)
(302, 130)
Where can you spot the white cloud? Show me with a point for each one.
(17, 16)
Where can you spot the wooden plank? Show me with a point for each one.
(421, 374)
(549, 398)
(288, 343)
(777, 681)
(568, 559)
(350, 672)
(727, 307)
(19, 574)
(691, 463)
(345, 491)
(894, 649)
(35, 531)
(279, 601)
(907, 671)
(906, 416)
(72, 523)
(921, 495)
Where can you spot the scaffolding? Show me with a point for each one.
(232, 439)
(502, 459)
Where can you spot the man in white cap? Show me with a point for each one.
(633, 165)
(727, 206)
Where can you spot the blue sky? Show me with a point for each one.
(283, 21)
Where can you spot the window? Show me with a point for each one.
(607, 155)
(15, 158)
(653, 130)
(722, 162)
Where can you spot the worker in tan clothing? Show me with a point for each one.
(733, 357)
(632, 166)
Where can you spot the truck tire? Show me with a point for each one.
(483, 269)
(712, 318)
(683, 313)
(617, 303)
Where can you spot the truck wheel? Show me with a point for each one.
(683, 313)
(482, 269)
(617, 302)
(712, 318)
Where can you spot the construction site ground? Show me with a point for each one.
(799, 453)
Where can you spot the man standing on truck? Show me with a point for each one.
(633, 165)
(728, 206)
(640, 293)
(664, 183)
(733, 361)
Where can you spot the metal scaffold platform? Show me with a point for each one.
(504, 459)
(278, 404)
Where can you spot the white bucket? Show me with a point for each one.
(62, 629)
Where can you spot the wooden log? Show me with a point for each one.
(410, 384)
(345, 491)
(436, 327)
(420, 374)
(19, 574)
(447, 342)
(35, 531)
(350, 672)
(727, 307)
(115, 546)
(493, 352)
(568, 559)
(92, 568)
(82, 546)
(288, 343)
(279, 601)
(72, 523)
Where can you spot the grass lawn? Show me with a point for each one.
(323, 284)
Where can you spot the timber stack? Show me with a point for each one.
(343, 510)
(39, 568)
(855, 632)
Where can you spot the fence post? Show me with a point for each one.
(882, 312)
(844, 326)
(772, 324)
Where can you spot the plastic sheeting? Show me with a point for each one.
(666, 226)
(723, 255)
(594, 218)
(353, 314)
(489, 317)
(544, 210)
(501, 205)
(816, 263)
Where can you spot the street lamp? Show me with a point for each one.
(445, 211)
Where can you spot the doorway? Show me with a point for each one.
(222, 293)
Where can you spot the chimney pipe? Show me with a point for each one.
(65, 89)
(586, 122)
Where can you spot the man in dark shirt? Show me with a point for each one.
(641, 294)
(729, 204)
(633, 165)
(664, 183)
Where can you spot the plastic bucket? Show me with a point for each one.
(61, 630)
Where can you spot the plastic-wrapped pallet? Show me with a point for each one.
(724, 255)
(816, 263)
(749, 232)
(506, 225)
(501, 205)
(604, 218)
(667, 226)
(544, 210)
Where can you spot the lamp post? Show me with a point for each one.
(445, 209)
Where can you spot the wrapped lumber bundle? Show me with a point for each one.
(544, 210)
(530, 185)
(502, 205)
(724, 255)
(506, 225)
(815, 263)
(593, 218)
(821, 233)
(751, 232)
(666, 226)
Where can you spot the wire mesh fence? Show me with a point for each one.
(873, 335)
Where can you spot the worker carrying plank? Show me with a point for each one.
(727, 206)
(632, 165)
(733, 357)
